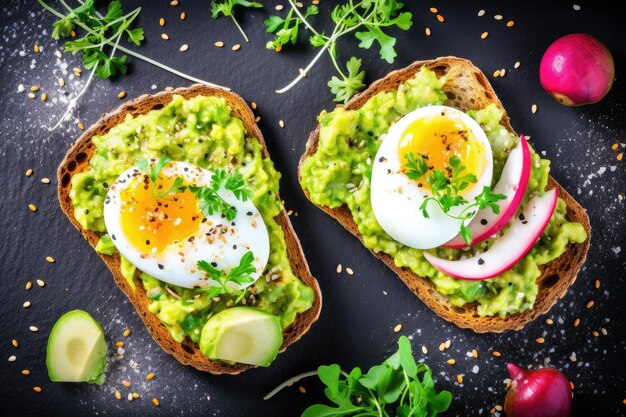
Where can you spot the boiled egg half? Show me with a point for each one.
(434, 133)
(166, 236)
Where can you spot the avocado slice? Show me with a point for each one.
(242, 334)
(76, 349)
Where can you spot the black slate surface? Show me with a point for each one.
(360, 311)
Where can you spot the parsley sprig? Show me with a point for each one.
(397, 387)
(226, 8)
(446, 188)
(153, 171)
(368, 19)
(238, 275)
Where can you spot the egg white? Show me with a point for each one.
(248, 233)
(396, 199)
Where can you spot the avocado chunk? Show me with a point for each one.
(242, 334)
(76, 349)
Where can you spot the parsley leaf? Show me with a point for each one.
(211, 202)
(286, 30)
(346, 87)
(415, 168)
(189, 323)
(226, 8)
(239, 275)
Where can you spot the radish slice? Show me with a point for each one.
(512, 184)
(507, 250)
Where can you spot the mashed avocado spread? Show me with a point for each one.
(200, 131)
(340, 172)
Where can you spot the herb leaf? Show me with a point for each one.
(211, 202)
(226, 8)
(239, 275)
(189, 323)
(346, 87)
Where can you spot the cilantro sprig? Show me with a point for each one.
(238, 275)
(226, 8)
(398, 386)
(368, 19)
(446, 188)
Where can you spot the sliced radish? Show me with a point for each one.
(507, 250)
(512, 184)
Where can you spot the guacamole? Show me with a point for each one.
(340, 172)
(200, 131)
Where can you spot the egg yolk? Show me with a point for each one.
(436, 138)
(151, 223)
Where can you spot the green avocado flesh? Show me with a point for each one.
(242, 334)
(201, 131)
(348, 142)
(76, 349)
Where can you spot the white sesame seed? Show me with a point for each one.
(41, 283)
(517, 64)
(33, 329)
(339, 268)
(498, 17)
(533, 108)
(397, 328)
(26, 304)
(576, 7)
(424, 350)
(481, 13)
(279, 7)
(57, 54)
(184, 47)
(281, 123)
(349, 271)
(12, 358)
(45, 180)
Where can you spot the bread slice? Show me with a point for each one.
(467, 88)
(77, 160)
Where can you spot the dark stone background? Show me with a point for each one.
(360, 311)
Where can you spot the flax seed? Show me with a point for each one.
(549, 321)
(80, 125)
(496, 73)
(34, 88)
(620, 156)
(14, 343)
(29, 285)
(510, 24)
(25, 372)
(590, 303)
(36, 48)
(474, 353)
(576, 322)
(37, 389)
(126, 383)
(135, 395)
(253, 105)
(440, 18)
(614, 147)
(496, 353)
(119, 344)
(174, 3)
(302, 389)
(595, 333)
(459, 379)
(118, 395)
(61, 82)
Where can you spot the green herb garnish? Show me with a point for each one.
(189, 323)
(239, 275)
(446, 188)
(393, 388)
(226, 8)
(153, 172)
(366, 18)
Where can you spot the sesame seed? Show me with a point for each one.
(484, 35)
(36, 48)
(424, 350)
(119, 344)
(533, 108)
(349, 271)
(339, 268)
(279, 7)
(32, 207)
(57, 53)
(447, 344)
(451, 361)
(459, 379)
(80, 125)
(540, 340)
(440, 18)
(31, 95)
(44, 97)
(590, 303)
(126, 333)
(174, 3)
(595, 333)
(498, 407)
(502, 72)
(496, 73)
(161, 22)
(183, 47)
(183, 16)
(135, 395)
(603, 331)
(126, 383)
(155, 402)
(253, 105)
(50, 259)
(597, 283)
(315, 2)
(302, 389)
(236, 47)
(397, 328)
(481, 13)
(25, 372)
(442, 347)
(510, 24)
(26, 304)
(61, 82)
(571, 385)
(498, 17)
(433, 10)
(12, 358)
(29, 172)
(572, 357)
(130, 396)
(29, 285)
(576, 322)
(620, 156)
(474, 353)
(219, 44)
(517, 64)
(45, 180)
(614, 147)
(121, 94)
(577, 8)
(150, 376)
(33, 329)
(496, 353)
(41, 283)
(299, 4)
(165, 36)
(14, 343)
(281, 123)
(549, 321)
(77, 71)
(37, 389)
(257, 119)
(34, 88)
(427, 30)
(118, 395)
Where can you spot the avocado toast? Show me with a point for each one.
(294, 296)
(464, 87)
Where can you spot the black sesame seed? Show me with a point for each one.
(483, 221)
(160, 266)
(521, 216)
(105, 185)
(214, 264)
(481, 261)
(113, 237)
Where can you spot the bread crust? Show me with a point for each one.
(467, 88)
(77, 160)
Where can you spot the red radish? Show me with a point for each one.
(512, 184)
(577, 69)
(509, 248)
(543, 392)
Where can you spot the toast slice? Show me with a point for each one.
(467, 88)
(77, 160)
